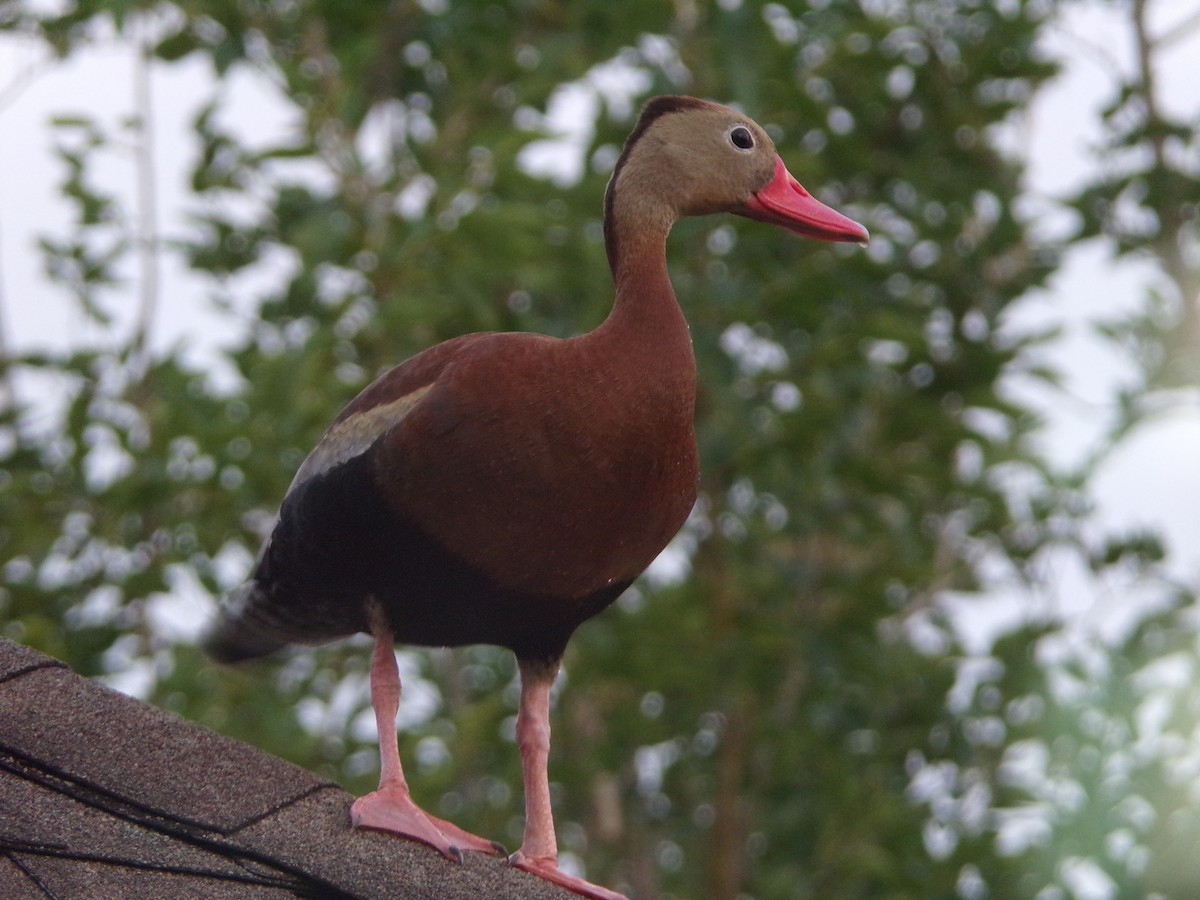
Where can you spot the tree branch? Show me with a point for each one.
(8, 395)
(1169, 209)
(146, 235)
(1179, 31)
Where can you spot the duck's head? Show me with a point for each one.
(689, 157)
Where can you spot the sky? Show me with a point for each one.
(1150, 480)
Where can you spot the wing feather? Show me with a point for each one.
(355, 433)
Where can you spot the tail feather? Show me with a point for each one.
(245, 630)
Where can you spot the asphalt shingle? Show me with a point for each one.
(104, 796)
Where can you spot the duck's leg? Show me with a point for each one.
(539, 849)
(391, 808)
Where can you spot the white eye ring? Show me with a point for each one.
(741, 137)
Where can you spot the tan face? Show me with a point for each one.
(699, 161)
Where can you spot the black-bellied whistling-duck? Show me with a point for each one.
(503, 488)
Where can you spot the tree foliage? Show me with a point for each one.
(783, 707)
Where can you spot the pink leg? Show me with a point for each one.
(391, 808)
(539, 850)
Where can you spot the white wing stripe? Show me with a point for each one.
(354, 434)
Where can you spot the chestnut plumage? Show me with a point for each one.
(504, 488)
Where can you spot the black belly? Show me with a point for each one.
(338, 545)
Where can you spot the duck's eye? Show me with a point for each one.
(741, 138)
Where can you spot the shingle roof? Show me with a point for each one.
(104, 796)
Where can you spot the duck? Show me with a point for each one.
(504, 488)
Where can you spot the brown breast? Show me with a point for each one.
(554, 470)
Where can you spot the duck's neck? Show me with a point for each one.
(646, 320)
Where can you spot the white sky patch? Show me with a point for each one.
(570, 122)
(134, 676)
(570, 118)
(1086, 880)
(753, 352)
(1169, 499)
(232, 565)
(184, 612)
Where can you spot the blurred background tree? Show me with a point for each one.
(786, 706)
